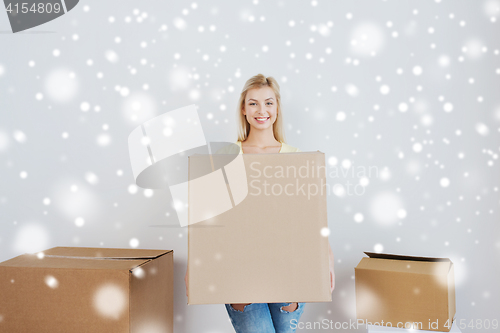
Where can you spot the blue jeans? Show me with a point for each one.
(265, 318)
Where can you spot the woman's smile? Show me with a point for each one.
(262, 120)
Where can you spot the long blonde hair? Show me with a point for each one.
(259, 81)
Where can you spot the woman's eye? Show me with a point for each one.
(271, 103)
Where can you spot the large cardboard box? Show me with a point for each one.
(83, 289)
(405, 292)
(258, 228)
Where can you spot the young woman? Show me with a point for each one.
(260, 131)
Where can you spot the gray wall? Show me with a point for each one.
(351, 89)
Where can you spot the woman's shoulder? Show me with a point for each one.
(289, 149)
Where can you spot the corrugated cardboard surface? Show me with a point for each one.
(151, 298)
(403, 289)
(266, 248)
(60, 292)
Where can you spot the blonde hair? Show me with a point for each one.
(259, 81)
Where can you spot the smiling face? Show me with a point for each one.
(261, 109)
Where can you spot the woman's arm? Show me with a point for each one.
(186, 281)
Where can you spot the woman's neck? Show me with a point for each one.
(261, 139)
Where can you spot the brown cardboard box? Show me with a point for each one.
(249, 247)
(404, 291)
(82, 289)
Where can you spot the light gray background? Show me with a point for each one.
(64, 138)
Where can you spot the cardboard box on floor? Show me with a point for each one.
(250, 247)
(82, 289)
(405, 291)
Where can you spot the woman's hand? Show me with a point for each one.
(186, 281)
(332, 273)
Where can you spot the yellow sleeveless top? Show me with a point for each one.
(229, 149)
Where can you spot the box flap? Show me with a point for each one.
(403, 257)
(405, 264)
(33, 261)
(86, 258)
(103, 253)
